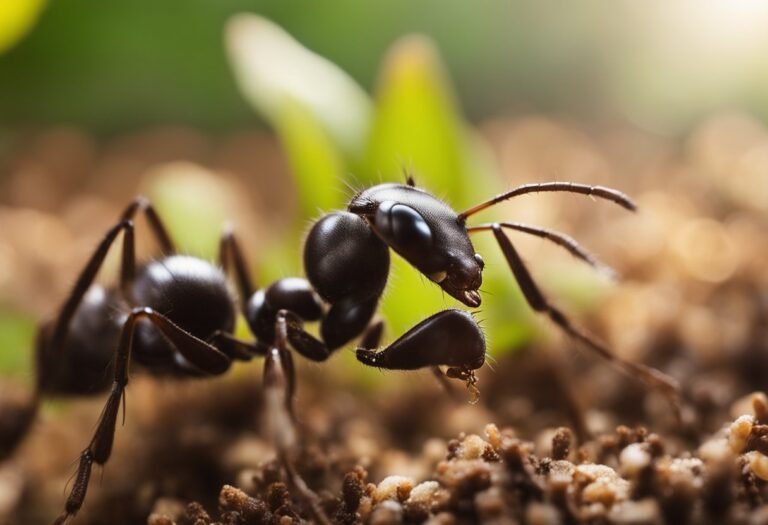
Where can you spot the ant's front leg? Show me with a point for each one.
(449, 338)
(536, 299)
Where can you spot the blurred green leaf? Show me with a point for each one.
(177, 189)
(318, 168)
(315, 160)
(270, 66)
(299, 92)
(17, 334)
(416, 125)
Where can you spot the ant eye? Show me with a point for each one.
(409, 228)
(480, 261)
(404, 225)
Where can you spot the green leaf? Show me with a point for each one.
(417, 126)
(318, 169)
(319, 113)
(270, 66)
(177, 189)
(315, 162)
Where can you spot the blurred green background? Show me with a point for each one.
(112, 66)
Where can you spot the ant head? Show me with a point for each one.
(427, 233)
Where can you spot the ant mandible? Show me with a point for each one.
(177, 313)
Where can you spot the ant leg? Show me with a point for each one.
(199, 353)
(289, 333)
(237, 349)
(128, 262)
(650, 376)
(229, 247)
(300, 340)
(51, 338)
(449, 338)
(58, 332)
(279, 383)
(372, 335)
(155, 223)
(446, 385)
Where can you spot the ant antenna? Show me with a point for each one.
(571, 187)
(555, 237)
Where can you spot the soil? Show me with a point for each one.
(557, 436)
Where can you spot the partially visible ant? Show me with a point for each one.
(175, 315)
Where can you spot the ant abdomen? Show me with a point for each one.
(191, 292)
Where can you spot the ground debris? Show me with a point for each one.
(499, 479)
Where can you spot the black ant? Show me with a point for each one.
(175, 314)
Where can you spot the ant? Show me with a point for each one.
(175, 315)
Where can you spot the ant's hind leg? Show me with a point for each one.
(52, 336)
(199, 353)
(155, 223)
(231, 253)
(237, 349)
(55, 334)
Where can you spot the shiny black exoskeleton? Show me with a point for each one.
(175, 314)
